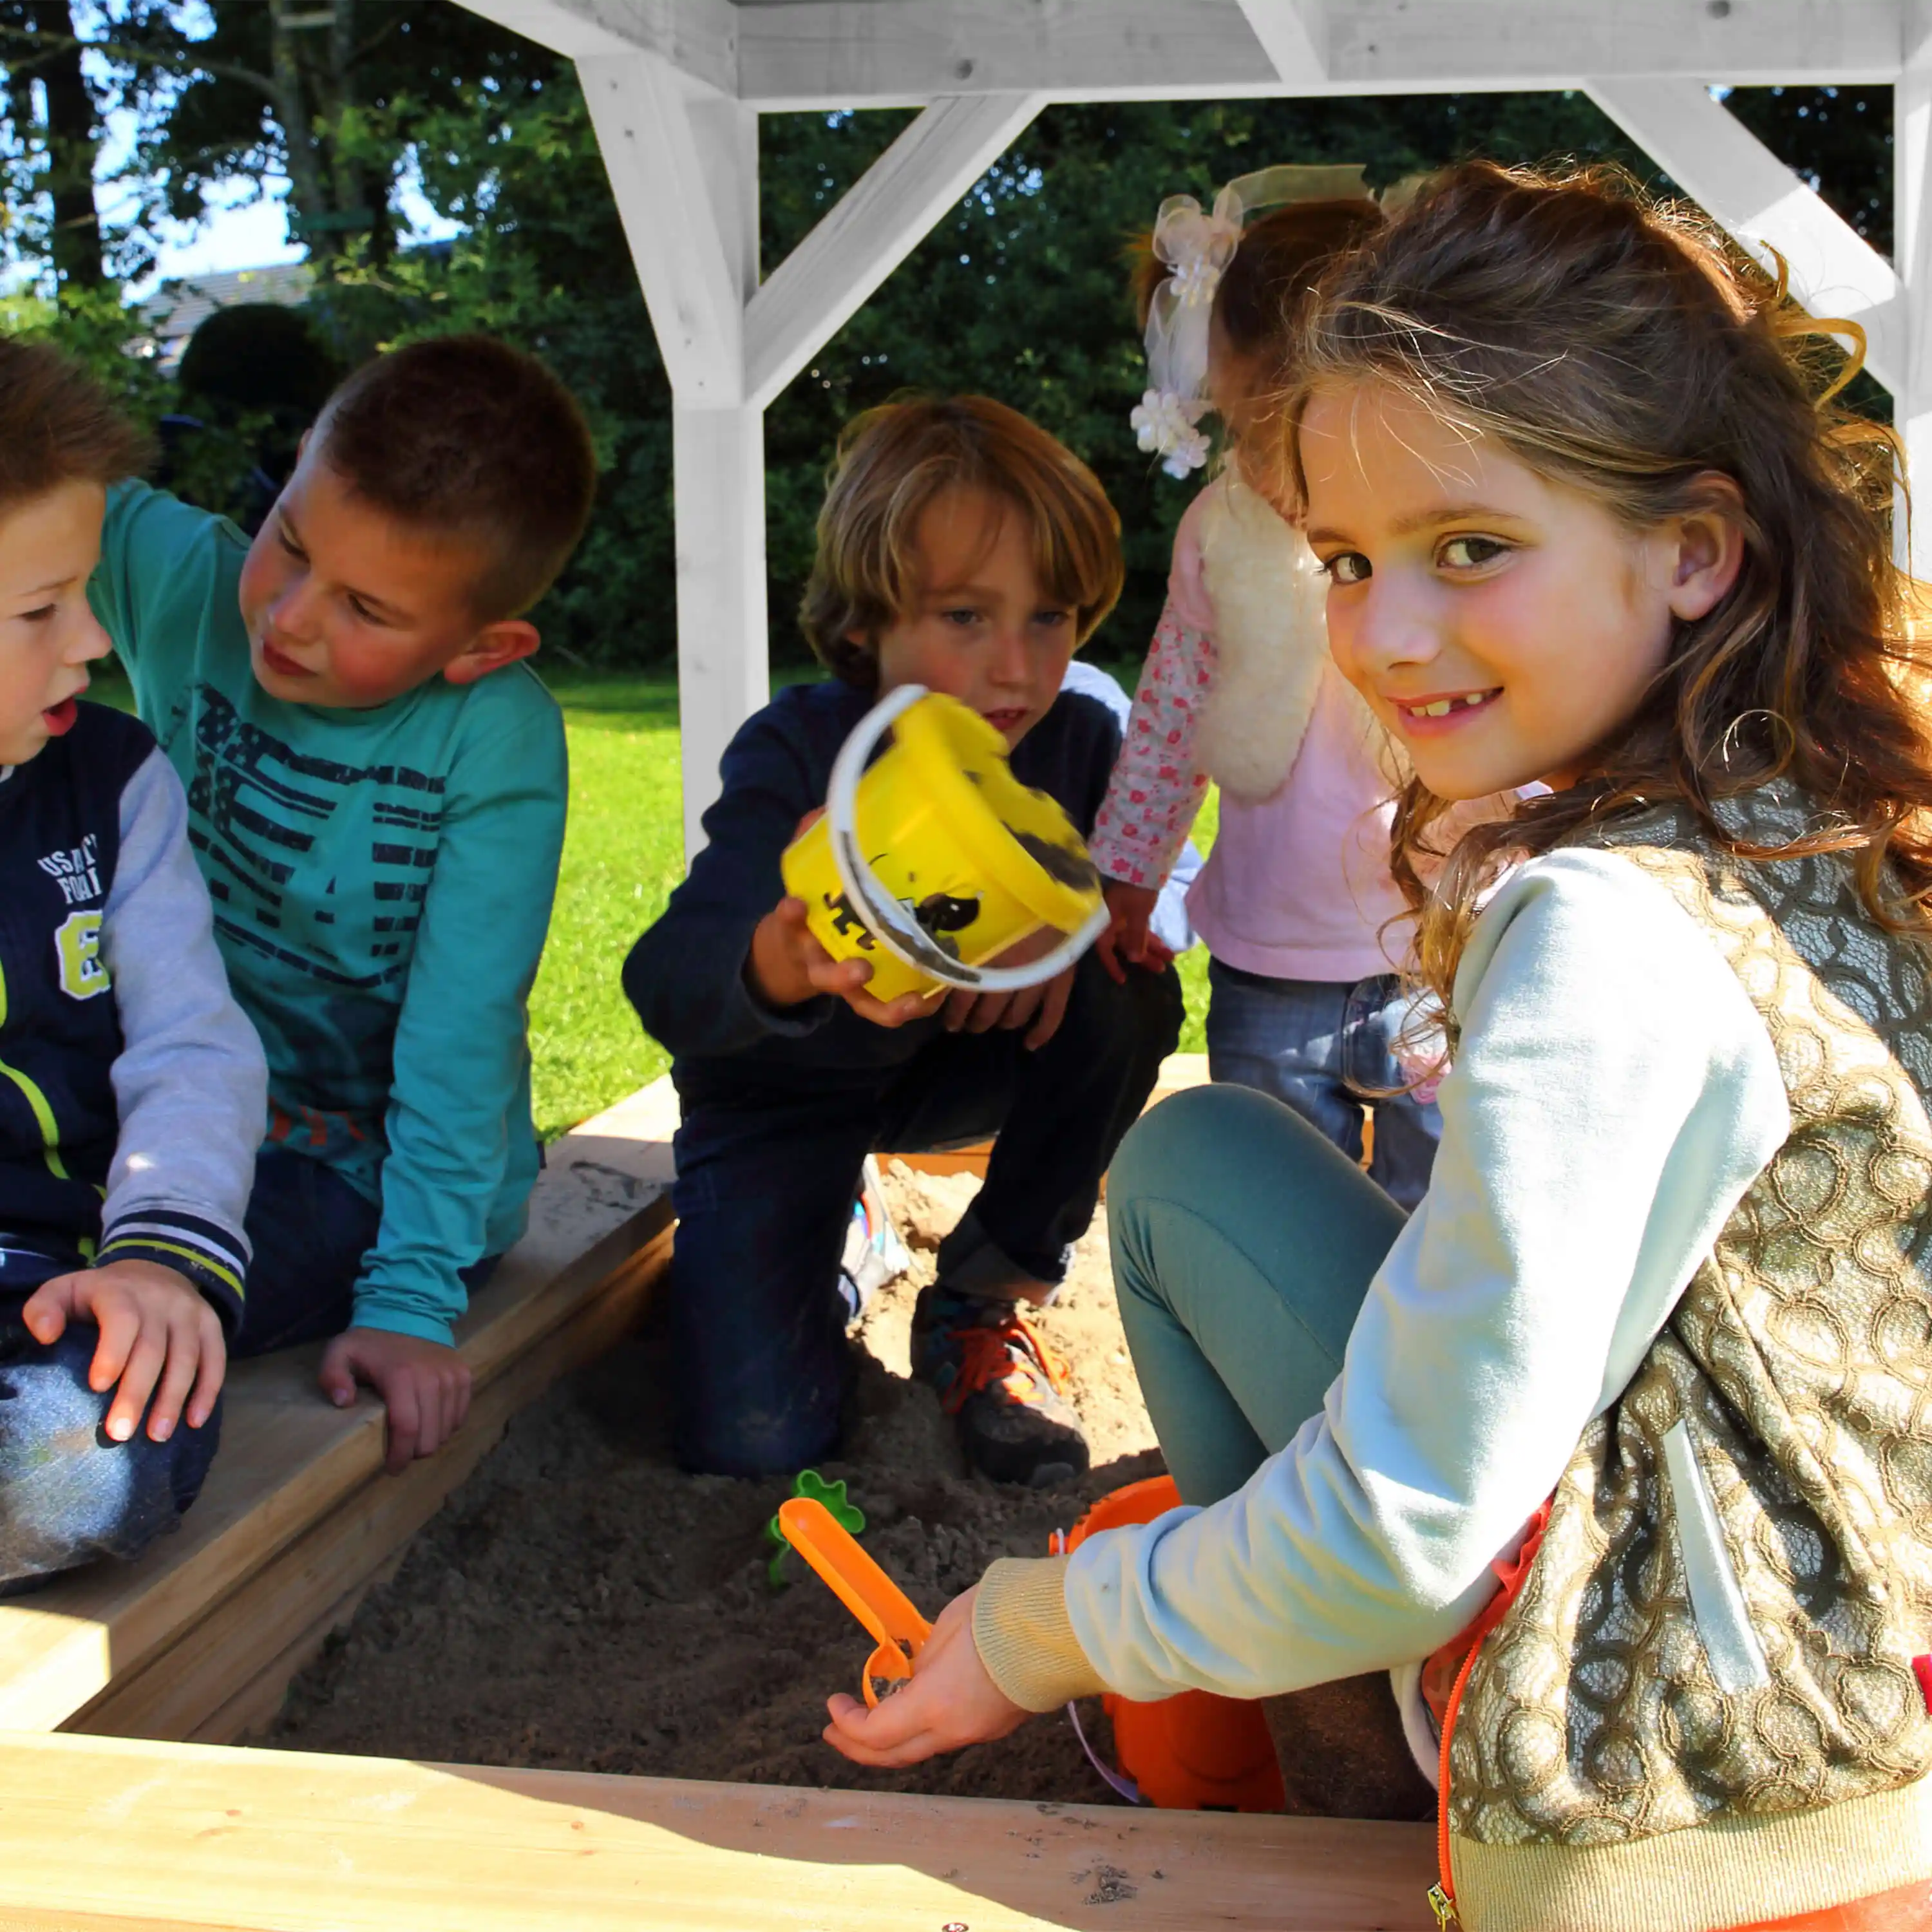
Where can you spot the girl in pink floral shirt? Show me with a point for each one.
(1295, 898)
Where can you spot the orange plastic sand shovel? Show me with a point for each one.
(862, 1587)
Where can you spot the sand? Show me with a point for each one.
(581, 1603)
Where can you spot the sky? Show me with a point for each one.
(253, 234)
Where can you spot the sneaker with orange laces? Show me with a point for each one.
(1007, 1388)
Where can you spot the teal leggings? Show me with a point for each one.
(1243, 1242)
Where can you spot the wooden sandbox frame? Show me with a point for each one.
(148, 1821)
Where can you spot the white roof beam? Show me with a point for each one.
(699, 36)
(654, 130)
(1294, 35)
(1738, 181)
(878, 222)
(864, 53)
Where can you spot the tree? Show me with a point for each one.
(63, 130)
(322, 92)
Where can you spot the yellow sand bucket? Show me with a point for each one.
(937, 859)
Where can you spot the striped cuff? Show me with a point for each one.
(215, 1260)
(1025, 1636)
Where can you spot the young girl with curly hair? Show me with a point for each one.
(1617, 1454)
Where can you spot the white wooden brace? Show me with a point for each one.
(1738, 181)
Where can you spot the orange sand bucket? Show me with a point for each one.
(933, 859)
(1194, 1751)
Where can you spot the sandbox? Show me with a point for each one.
(543, 1679)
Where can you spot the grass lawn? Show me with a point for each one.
(621, 856)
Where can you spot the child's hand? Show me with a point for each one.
(1128, 937)
(1042, 1008)
(425, 1385)
(787, 967)
(155, 1327)
(951, 1702)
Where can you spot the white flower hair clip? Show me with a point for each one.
(1197, 244)
(1165, 425)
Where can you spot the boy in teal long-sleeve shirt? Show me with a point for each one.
(376, 789)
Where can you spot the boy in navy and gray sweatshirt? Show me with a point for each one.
(962, 548)
(132, 1089)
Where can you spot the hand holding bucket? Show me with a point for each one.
(935, 859)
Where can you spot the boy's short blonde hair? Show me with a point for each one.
(58, 425)
(892, 462)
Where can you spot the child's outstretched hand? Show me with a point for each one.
(158, 1337)
(1127, 937)
(425, 1385)
(951, 1702)
(787, 967)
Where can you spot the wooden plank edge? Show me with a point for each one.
(277, 1841)
(209, 1682)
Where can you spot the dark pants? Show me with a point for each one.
(308, 1230)
(766, 1178)
(67, 1493)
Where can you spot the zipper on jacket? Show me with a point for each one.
(1442, 1893)
(1511, 1574)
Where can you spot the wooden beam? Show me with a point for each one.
(272, 1841)
(724, 658)
(861, 53)
(1294, 35)
(878, 221)
(699, 36)
(683, 162)
(289, 1460)
(1742, 185)
(661, 168)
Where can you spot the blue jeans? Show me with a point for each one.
(67, 1493)
(1327, 1049)
(308, 1230)
(1243, 1243)
(768, 1167)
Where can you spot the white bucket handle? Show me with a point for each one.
(887, 920)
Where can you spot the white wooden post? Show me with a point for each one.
(684, 167)
(1912, 250)
(1742, 185)
(683, 162)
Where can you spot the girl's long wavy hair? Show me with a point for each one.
(1624, 348)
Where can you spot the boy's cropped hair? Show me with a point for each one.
(891, 462)
(59, 425)
(465, 435)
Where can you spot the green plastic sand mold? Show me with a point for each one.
(813, 1487)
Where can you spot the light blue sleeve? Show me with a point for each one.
(1614, 1094)
(462, 1050)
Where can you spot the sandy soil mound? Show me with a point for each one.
(580, 1603)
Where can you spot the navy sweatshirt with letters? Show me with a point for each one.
(133, 1090)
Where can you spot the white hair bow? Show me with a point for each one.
(1197, 245)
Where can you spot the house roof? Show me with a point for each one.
(183, 305)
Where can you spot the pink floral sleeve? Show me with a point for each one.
(1157, 789)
